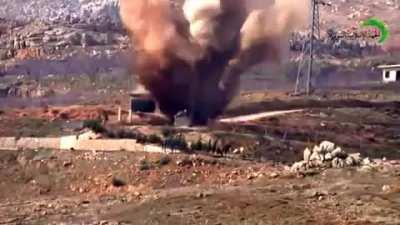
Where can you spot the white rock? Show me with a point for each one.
(327, 146)
(315, 164)
(322, 156)
(274, 175)
(356, 157)
(235, 151)
(315, 156)
(350, 161)
(89, 135)
(366, 169)
(338, 163)
(299, 166)
(307, 155)
(338, 152)
(317, 149)
(366, 161)
(386, 188)
(328, 156)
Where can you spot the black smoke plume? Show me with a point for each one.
(192, 58)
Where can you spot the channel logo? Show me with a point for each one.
(380, 25)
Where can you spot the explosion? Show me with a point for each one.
(192, 58)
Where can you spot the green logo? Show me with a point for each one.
(380, 25)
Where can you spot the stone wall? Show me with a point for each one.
(72, 143)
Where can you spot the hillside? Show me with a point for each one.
(50, 31)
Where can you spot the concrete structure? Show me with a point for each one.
(68, 142)
(8, 143)
(78, 144)
(390, 73)
(142, 101)
(108, 145)
(12, 143)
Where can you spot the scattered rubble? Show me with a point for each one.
(328, 155)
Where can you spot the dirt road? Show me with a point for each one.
(257, 116)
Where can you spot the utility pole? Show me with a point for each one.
(315, 33)
(307, 55)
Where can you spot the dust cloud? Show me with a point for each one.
(191, 58)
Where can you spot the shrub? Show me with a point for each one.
(111, 134)
(197, 146)
(176, 142)
(164, 160)
(166, 132)
(141, 138)
(131, 135)
(118, 182)
(181, 144)
(154, 139)
(94, 125)
(144, 164)
(120, 133)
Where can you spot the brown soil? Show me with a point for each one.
(54, 187)
(252, 186)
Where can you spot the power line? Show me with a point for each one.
(307, 56)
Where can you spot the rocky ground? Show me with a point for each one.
(265, 178)
(50, 187)
(67, 67)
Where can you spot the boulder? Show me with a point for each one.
(326, 155)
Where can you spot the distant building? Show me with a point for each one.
(141, 101)
(4, 90)
(390, 73)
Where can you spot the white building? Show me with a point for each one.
(390, 73)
